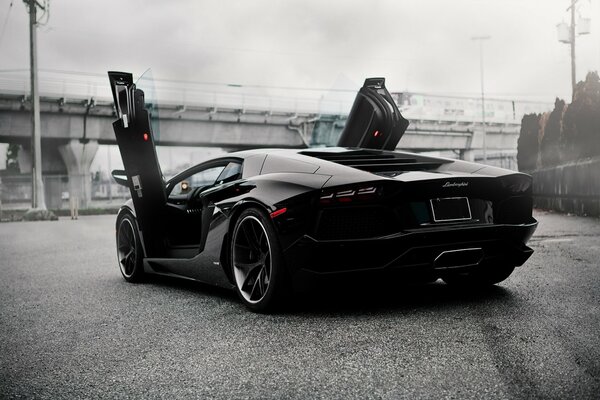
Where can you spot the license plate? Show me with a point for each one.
(450, 209)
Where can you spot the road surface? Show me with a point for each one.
(70, 327)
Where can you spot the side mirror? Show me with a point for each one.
(120, 177)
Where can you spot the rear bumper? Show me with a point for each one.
(423, 250)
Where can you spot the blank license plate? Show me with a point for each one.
(450, 209)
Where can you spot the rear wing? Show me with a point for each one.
(374, 121)
(133, 132)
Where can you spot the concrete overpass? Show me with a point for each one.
(72, 129)
(234, 128)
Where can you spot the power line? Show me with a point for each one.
(172, 85)
(191, 82)
(45, 15)
(13, 70)
(241, 85)
(5, 21)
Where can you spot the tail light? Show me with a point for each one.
(517, 183)
(349, 195)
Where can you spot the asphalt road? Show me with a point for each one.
(70, 327)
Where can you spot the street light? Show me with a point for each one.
(481, 39)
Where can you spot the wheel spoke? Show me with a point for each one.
(251, 259)
(258, 288)
(126, 248)
(132, 262)
(253, 291)
(251, 237)
(250, 278)
(256, 235)
(247, 268)
(261, 281)
(267, 270)
(263, 243)
(127, 234)
(128, 267)
(246, 234)
(131, 239)
(243, 246)
(126, 261)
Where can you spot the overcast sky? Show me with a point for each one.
(419, 45)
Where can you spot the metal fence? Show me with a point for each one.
(60, 191)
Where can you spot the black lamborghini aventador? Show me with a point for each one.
(266, 221)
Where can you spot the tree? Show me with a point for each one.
(528, 146)
(581, 124)
(549, 144)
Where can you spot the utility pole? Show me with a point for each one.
(483, 127)
(572, 37)
(568, 34)
(37, 185)
(109, 174)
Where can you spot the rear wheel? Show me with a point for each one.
(129, 248)
(484, 275)
(257, 262)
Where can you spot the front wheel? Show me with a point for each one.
(257, 262)
(129, 248)
(484, 275)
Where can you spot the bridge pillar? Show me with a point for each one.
(52, 170)
(78, 159)
(467, 155)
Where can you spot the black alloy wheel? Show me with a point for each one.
(256, 262)
(129, 252)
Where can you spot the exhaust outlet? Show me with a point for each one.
(458, 258)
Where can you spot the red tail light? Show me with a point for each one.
(348, 195)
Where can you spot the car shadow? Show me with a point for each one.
(401, 298)
(356, 298)
(188, 285)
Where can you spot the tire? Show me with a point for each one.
(257, 263)
(484, 275)
(130, 256)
